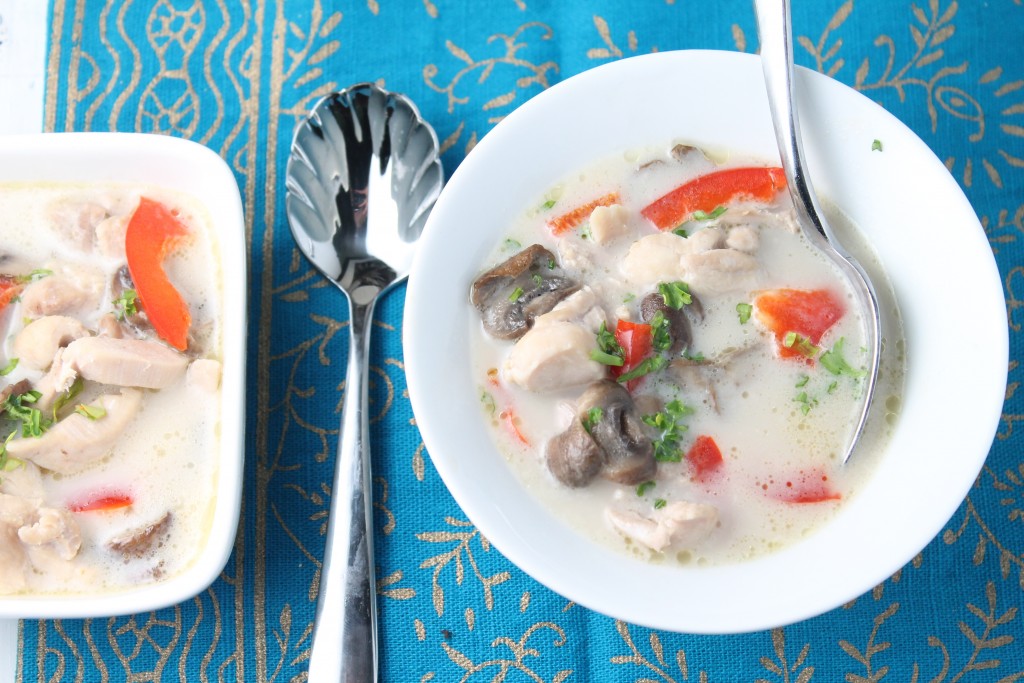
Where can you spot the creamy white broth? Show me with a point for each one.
(766, 436)
(164, 459)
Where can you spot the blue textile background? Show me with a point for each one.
(237, 76)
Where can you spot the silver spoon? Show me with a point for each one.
(775, 34)
(362, 177)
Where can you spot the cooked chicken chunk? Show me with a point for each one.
(125, 362)
(77, 441)
(204, 374)
(33, 538)
(704, 261)
(37, 344)
(75, 222)
(76, 291)
(555, 353)
(679, 524)
(609, 222)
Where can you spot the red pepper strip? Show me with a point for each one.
(809, 313)
(508, 414)
(10, 287)
(570, 220)
(154, 232)
(111, 501)
(806, 487)
(637, 341)
(710, 191)
(704, 457)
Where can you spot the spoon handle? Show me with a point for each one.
(776, 38)
(344, 643)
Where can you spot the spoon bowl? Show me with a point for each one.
(773, 27)
(362, 177)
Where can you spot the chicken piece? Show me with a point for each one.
(77, 441)
(705, 240)
(56, 381)
(679, 524)
(76, 291)
(719, 271)
(24, 481)
(14, 564)
(555, 353)
(203, 374)
(37, 344)
(56, 528)
(608, 223)
(110, 233)
(125, 362)
(553, 356)
(655, 258)
(75, 222)
(743, 238)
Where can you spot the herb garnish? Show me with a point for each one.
(516, 293)
(591, 419)
(124, 305)
(659, 503)
(37, 274)
(800, 343)
(91, 412)
(609, 351)
(666, 447)
(744, 311)
(876, 146)
(548, 204)
(681, 232)
(644, 367)
(643, 488)
(802, 382)
(833, 361)
(705, 216)
(675, 294)
(661, 332)
(9, 368)
(512, 243)
(806, 402)
(18, 407)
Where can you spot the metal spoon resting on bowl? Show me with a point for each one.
(362, 177)
(775, 33)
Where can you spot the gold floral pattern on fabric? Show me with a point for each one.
(239, 76)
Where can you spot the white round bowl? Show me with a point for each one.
(904, 201)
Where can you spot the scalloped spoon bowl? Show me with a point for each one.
(362, 177)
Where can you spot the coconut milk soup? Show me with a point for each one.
(668, 363)
(110, 400)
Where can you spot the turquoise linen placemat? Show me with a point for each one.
(237, 76)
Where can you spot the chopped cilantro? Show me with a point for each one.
(805, 401)
(833, 361)
(591, 419)
(681, 232)
(666, 446)
(91, 412)
(802, 382)
(37, 274)
(659, 503)
(64, 398)
(876, 145)
(832, 387)
(125, 305)
(661, 332)
(675, 294)
(609, 351)
(548, 204)
(18, 408)
(644, 367)
(802, 344)
(643, 488)
(9, 368)
(551, 264)
(744, 311)
(516, 293)
(705, 216)
(695, 357)
(537, 279)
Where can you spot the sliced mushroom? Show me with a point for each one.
(614, 429)
(513, 293)
(574, 457)
(137, 542)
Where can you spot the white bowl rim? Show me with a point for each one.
(923, 477)
(196, 170)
